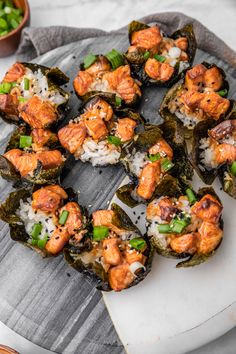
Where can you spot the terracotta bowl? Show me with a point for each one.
(10, 42)
(7, 350)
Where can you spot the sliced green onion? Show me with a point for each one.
(164, 228)
(100, 232)
(191, 196)
(138, 243)
(115, 58)
(114, 140)
(146, 55)
(25, 141)
(7, 9)
(233, 168)
(154, 157)
(63, 217)
(159, 58)
(36, 230)
(5, 87)
(89, 60)
(42, 242)
(26, 84)
(222, 93)
(34, 242)
(118, 101)
(166, 165)
(177, 226)
(22, 99)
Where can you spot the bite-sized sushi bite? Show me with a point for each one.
(32, 93)
(99, 133)
(113, 251)
(214, 153)
(157, 58)
(32, 155)
(199, 95)
(44, 218)
(157, 163)
(108, 74)
(188, 226)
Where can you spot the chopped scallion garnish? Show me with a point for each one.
(222, 93)
(154, 157)
(191, 196)
(166, 164)
(114, 140)
(89, 60)
(138, 243)
(25, 141)
(118, 101)
(164, 228)
(42, 242)
(100, 232)
(5, 87)
(36, 230)
(115, 58)
(26, 84)
(146, 55)
(63, 217)
(233, 168)
(159, 58)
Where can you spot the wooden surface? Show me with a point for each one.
(37, 297)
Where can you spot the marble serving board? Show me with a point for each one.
(51, 304)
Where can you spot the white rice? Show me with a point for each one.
(31, 217)
(188, 120)
(137, 160)
(152, 231)
(39, 86)
(207, 154)
(100, 153)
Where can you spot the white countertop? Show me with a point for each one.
(218, 16)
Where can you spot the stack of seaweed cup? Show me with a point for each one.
(198, 132)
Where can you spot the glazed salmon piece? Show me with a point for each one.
(41, 137)
(96, 128)
(37, 113)
(213, 79)
(82, 82)
(214, 105)
(125, 129)
(182, 43)
(49, 159)
(111, 252)
(224, 153)
(23, 162)
(191, 99)
(148, 179)
(148, 38)
(48, 199)
(185, 243)
(157, 70)
(210, 236)
(15, 72)
(103, 217)
(120, 80)
(163, 148)
(194, 77)
(132, 256)
(72, 136)
(208, 209)
(100, 109)
(58, 240)
(100, 66)
(164, 208)
(223, 129)
(74, 220)
(9, 104)
(120, 277)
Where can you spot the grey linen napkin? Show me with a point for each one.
(37, 41)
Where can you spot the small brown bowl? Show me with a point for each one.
(7, 350)
(10, 42)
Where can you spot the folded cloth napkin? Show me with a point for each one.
(37, 41)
